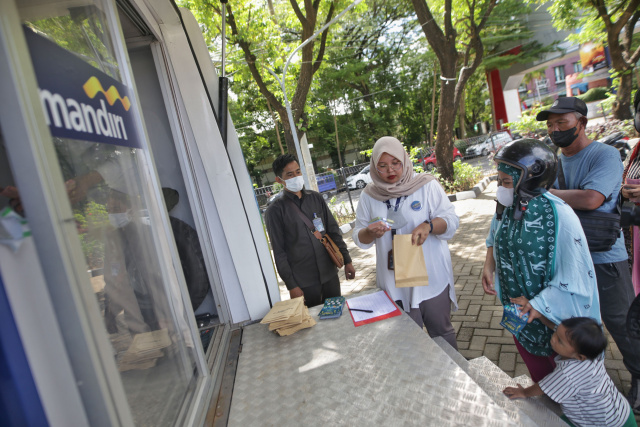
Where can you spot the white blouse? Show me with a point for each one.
(429, 202)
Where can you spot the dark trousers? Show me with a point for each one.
(435, 315)
(315, 295)
(616, 294)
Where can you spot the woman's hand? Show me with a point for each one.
(533, 313)
(377, 229)
(521, 301)
(631, 191)
(488, 273)
(420, 233)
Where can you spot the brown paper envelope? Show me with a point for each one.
(282, 310)
(410, 269)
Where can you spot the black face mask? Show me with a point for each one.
(564, 138)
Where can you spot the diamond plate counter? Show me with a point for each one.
(386, 373)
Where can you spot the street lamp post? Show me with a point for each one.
(294, 129)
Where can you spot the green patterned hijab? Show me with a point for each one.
(525, 254)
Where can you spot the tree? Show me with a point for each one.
(364, 67)
(265, 36)
(453, 45)
(607, 21)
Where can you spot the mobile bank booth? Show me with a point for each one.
(143, 248)
(133, 256)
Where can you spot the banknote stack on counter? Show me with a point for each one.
(288, 317)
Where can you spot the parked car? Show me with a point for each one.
(359, 180)
(429, 158)
(493, 143)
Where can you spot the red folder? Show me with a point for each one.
(374, 318)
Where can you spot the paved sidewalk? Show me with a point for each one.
(477, 320)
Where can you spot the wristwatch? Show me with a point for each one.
(430, 225)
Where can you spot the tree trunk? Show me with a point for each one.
(446, 121)
(622, 105)
(275, 121)
(461, 118)
(288, 136)
(433, 106)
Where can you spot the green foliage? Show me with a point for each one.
(594, 94)
(588, 17)
(341, 212)
(528, 126)
(277, 187)
(610, 127)
(465, 176)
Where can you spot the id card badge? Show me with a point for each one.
(317, 223)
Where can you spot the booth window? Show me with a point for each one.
(95, 130)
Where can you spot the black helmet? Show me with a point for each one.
(539, 165)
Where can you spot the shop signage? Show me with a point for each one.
(592, 57)
(79, 100)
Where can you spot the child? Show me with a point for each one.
(580, 383)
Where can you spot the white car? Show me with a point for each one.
(359, 180)
(494, 142)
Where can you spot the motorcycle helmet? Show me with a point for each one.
(539, 165)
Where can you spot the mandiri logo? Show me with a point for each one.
(75, 115)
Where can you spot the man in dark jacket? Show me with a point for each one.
(302, 261)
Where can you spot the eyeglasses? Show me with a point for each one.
(396, 166)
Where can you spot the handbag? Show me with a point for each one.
(327, 242)
(602, 229)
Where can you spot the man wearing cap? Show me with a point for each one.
(593, 177)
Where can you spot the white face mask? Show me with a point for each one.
(119, 220)
(504, 196)
(294, 184)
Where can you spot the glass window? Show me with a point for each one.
(577, 67)
(94, 129)
(559, 73)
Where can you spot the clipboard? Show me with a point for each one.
(381, 305)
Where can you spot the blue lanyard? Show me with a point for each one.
(395, 209)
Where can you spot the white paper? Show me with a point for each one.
(379, 302)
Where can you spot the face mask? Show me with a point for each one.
(294, 184)
(119, 220)
(564, 138)
(505, 196)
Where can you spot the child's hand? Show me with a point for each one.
(514, 392)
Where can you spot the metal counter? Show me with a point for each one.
(385, 373)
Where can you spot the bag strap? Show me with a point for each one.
(306, 220)
(561, 182)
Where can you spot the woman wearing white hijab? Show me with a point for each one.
(418, 205)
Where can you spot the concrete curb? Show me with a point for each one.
(474, 192)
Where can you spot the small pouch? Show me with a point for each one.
(511, 319)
